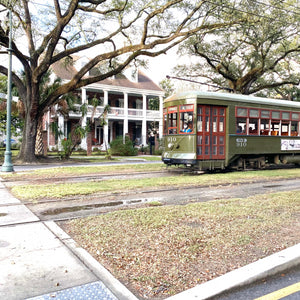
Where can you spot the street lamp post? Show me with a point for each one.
(8, 166)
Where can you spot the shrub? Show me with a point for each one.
(118, 147)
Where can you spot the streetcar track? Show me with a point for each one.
(84, 177)
(113, 195)
(63, 209)
(107, 176)
(80, 206)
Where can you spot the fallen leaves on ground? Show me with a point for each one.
(161, 251)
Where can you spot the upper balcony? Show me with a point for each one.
(138, 107)
(119, 113)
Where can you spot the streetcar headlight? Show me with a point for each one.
(170, 146)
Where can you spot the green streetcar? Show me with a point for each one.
(207, 131)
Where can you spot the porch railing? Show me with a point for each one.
(119, 112)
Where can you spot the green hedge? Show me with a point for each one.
(118, 147)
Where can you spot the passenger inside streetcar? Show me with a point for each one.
(186, 128)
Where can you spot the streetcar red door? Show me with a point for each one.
(211, 132)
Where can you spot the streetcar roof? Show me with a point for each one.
(233, 97)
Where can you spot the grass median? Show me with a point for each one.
(59, 190)
(65, 171)
(160, 251)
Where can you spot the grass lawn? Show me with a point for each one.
(160, 251)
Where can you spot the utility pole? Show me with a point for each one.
(8, 166)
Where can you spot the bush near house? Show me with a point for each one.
(124, 148)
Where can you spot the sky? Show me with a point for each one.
(161, 66)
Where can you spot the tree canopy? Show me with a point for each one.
(113, 33)
(259, 55)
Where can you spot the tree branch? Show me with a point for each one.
(17, 81)
(274, 85)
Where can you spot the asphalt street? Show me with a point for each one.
(282, 285)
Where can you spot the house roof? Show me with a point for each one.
(66, 72)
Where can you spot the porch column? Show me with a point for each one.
(160, 130)
(105, 127)
(61, 128)
(83, 100)
(125, 127)
(144, 123)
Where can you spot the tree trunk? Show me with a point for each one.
(39, 145)
(27, 151)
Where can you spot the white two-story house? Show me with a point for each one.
(129, 114)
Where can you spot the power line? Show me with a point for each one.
(204, 83)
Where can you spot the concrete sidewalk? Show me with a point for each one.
(38, 260)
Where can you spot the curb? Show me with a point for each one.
(114, 285)
(260, 269)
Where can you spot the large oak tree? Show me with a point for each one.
(259, 55)
(116, 32)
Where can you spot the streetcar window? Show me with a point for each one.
(285, 128)
(275, 114)
(199, 123)
(241, 112)
(264, 126)
(206, 150)
(221, 150)
(186, 118)
(199, 150)
(253, 125)
(215, 139)
(267, 122)
(189, 107)
(241, 125)
(206, 140)
(275, 124)
(265, 114)
(221, 124)
(207, 124)
(172, 120)
(215, 124)
(275, 128)
(253, 113)
(214, 152)
(285, 115)
(199, 139)
(221, 140)
(294, 128)
(165, 121)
